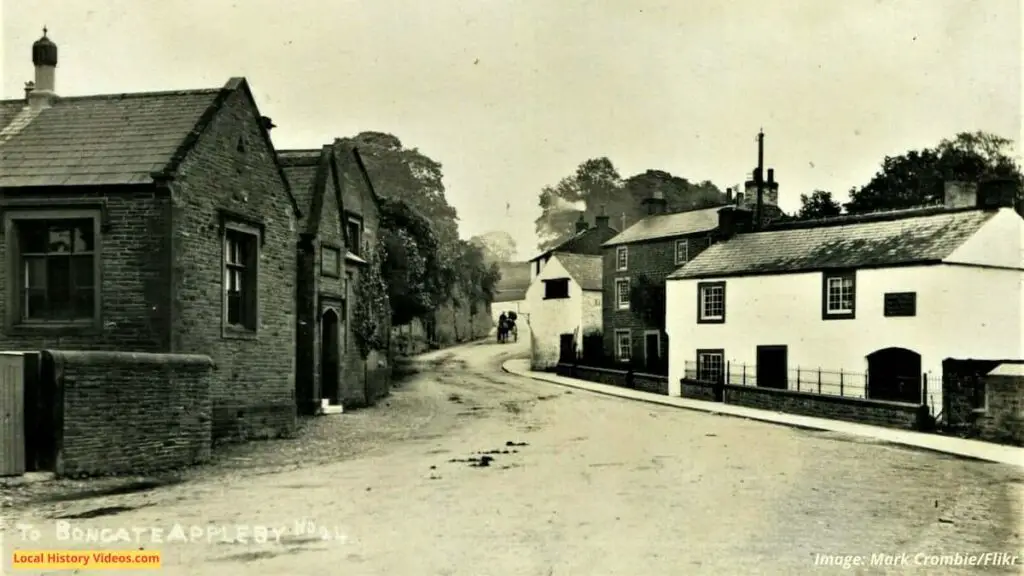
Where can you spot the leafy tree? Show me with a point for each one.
(917, 177)
(409, 175)
(819, 204)
(595, 182)
(478, 278)
(410, 266)
(497, 246)
(597, 187)
(647, 301)
(372, 308)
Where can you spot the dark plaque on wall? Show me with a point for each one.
(901, 304)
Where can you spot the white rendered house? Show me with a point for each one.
(884, 297)
(565, 304)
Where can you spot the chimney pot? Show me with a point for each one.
(29, 87)
(771, 175)
(728, 195)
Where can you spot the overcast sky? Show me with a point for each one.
(512, 95)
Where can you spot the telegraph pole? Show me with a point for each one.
(759, 180)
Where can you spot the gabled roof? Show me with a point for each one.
(108, 139)
(580, 242)
(300, 168)
(878, 240)
(668, 226)
(584, 269)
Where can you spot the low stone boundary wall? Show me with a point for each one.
(130, 413)
(652, 383)
(860, 410)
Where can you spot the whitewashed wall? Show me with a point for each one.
(592, 319)
(551, 318)
(497, 308)
(962, 312)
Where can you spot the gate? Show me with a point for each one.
(12, 414)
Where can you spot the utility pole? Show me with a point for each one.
(759, 180)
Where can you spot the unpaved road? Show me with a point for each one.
(577, 483)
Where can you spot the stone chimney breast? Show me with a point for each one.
(960, 194)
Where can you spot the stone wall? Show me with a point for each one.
(985, 399)
(253, 388)
(131, 413)
(652, 383)
(874, 412)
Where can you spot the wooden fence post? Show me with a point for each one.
(744, 374)
(841, 382)
(797, 378)
(819, 379)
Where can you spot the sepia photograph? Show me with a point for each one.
(511, 287)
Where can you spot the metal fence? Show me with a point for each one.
(813, 380)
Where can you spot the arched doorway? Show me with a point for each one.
(330, 366)
(894, 374)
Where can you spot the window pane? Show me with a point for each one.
(34, 272)
(234, 308)
(83, 236)
(33, 304)
(32, 235)
(58, 286)
(82, 271)
(59, 238)
(84, 304)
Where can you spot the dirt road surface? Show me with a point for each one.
(471, 471)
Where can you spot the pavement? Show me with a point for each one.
(962, 447)
(468, 470)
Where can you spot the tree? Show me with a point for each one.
(596, 187)
(408, 175)
(595, 183)
(497, 246)
(410, 268)
(647, 301)
(917, 177)
(372, 307)
(819, 204)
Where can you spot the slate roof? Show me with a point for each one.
(896, 238)
(300, 168)
(668, 226)
(579, 243)
(584, 269)
(109, 139)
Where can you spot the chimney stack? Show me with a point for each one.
(44, 58)
(960, 194)
(728, 195)
(656, 203)
(997, 193)
(602, 220)
(581, 224)
(732, 221)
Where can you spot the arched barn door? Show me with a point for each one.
(894, 374)
(330, 365)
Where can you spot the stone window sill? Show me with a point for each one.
(238, 333)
